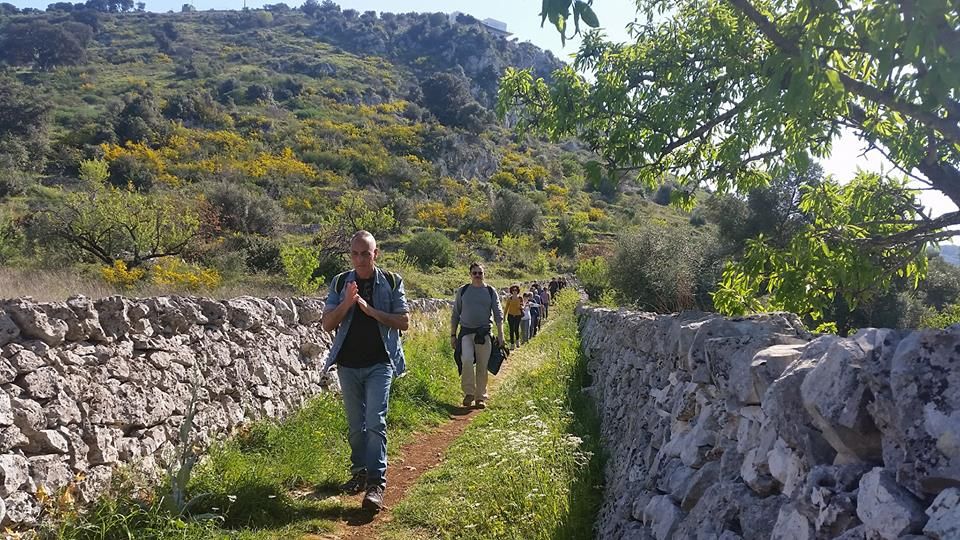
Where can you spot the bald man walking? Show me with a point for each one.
(368, 308)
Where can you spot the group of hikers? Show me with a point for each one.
(527, 312)
(367, 303)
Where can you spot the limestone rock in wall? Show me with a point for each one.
(836, 397)
(783, 404)
(9, 330)
(924, 430)
(34, 323)
(944, 515)
(887, 510)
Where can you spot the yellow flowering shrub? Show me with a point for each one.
(392, 107)
(144, 154)
(174, 272)
(557, 205)
(556, 190)
(284, 164)
(504, 179)
(432, 214)
(596, 214)
(459, 210)
(119, 274)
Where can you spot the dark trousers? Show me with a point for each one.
(513, 321)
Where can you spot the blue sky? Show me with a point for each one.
(522, 20)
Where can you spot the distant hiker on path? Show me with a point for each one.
(554, 287)
(368, 308)
(544, 303)
(514, 309)
(473, 306)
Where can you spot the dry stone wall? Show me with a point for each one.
(752, 428)
(87, 385)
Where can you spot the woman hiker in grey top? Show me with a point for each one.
(473, 305)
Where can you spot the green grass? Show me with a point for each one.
(530, 465)
(279, 480)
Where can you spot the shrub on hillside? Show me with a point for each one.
(522, 252)
(127, 170)
(594, 276)
(260, 253)
(431, 248)
(663, 194)
(942, 284)
(448, 97)
(244, 211)
(513, 213)
(948, 316)
(661, 270)
(299, 265)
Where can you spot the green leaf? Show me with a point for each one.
(588, 16)
(834, 79)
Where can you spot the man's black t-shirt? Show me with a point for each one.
(363, 346)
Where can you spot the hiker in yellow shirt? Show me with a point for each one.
(514, 310)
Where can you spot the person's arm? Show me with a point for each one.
(498, 316)
(335, 310)
(455, 318)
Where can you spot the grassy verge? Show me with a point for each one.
(527, 467)
(278, 480)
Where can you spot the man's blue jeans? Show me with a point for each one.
(366, 392)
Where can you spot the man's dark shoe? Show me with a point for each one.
(356, 484)
(373, 500)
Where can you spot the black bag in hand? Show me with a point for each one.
(498, 353)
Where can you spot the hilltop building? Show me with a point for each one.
(493, 26)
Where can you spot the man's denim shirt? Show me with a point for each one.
(384, 299)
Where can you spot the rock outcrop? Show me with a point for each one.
(754, 428)
(87, 385)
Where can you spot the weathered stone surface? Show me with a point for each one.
(662, 516)
(786, 467)
(857, 533)
(944, 515)
(51, 472)
(42, 384)
(114, 316)
(783, 404)
(34, 322)
(24, 360)
(792, 525)
(828, 498)
(768, 364)
(887, 510)
(11, 437)
(6, 412)
(9, 330)
(87, 320)
(921, 427)
(14, 473)
(27, 415)
(309, 310)
(690, 492)
(7, 372)
(22, 508)
(247, 313)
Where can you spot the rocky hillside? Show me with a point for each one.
(246, 132)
